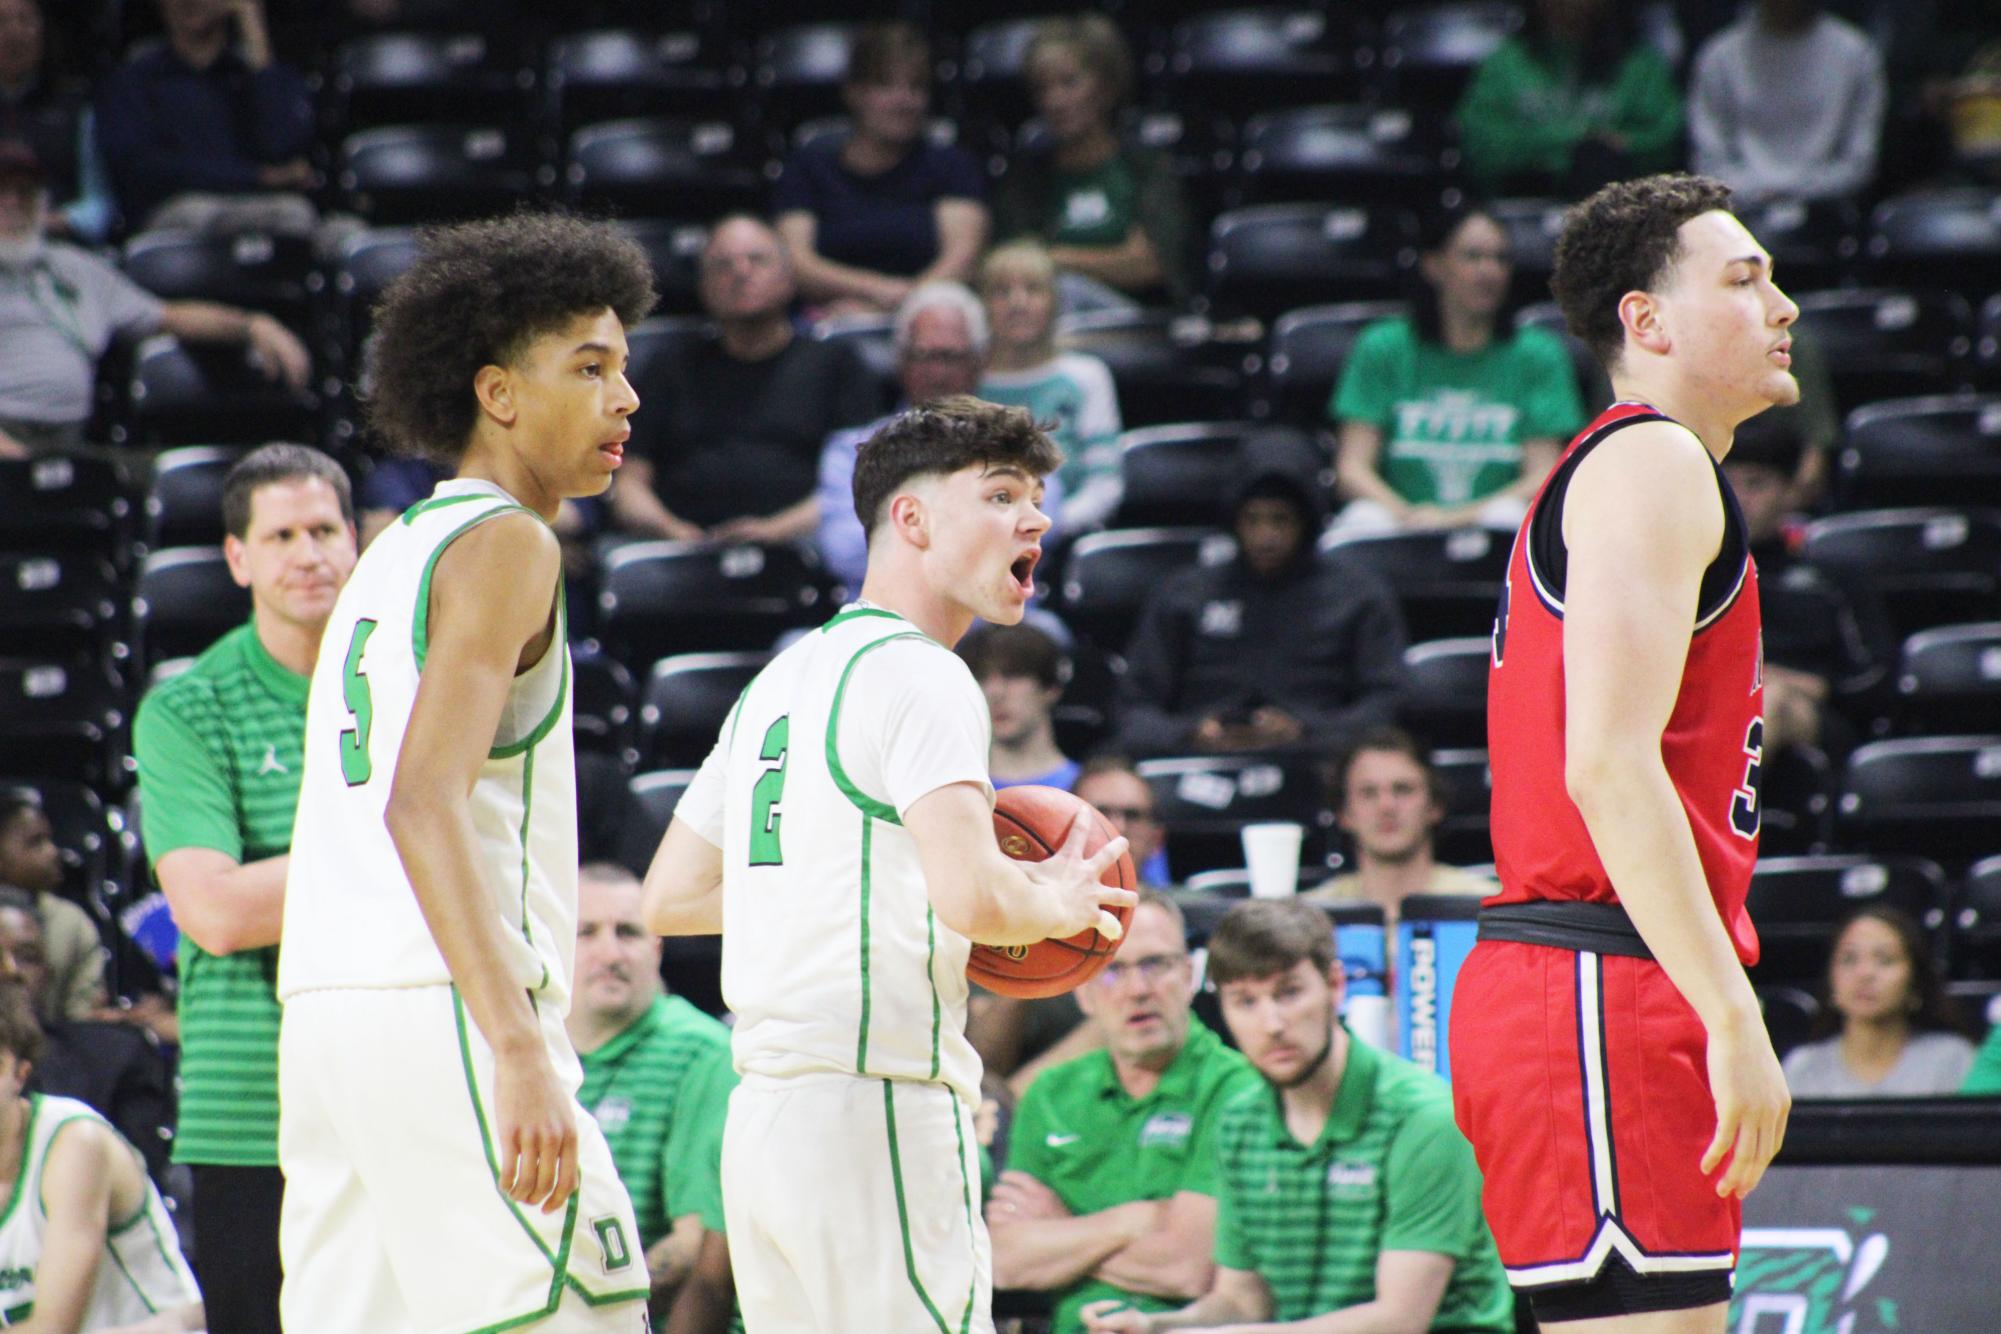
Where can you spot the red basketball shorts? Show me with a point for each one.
(1581, 1081)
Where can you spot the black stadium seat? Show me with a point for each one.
(1943, 450)
(61, 720)
(1318, 153)
(205, 394)
(1108, 577)
(797, 71)
(184, 500)
(1813, 245)
(603, 719)
(614, 73)
(1789, 1013)
(657, 598)
(86, 835)
(432, 173)
(675, 251)
(654, 796)
(1464, 837)
(990, 72)
(1937, 797)
(1988, 350)
(1430, 51)
(1532, 226)
(393, 77)
(65, 604)
(1267, 260)
(1307, 350)
(1918, 236)
(185, 600)
(1592, 382)
(1237, 62)
(1950, 677)
(1797, 903)
(688, 698)
(1203, 801)
(1887, 342)
(1445, 701)
(1931, 566)
(1448, 581)
(66, 502)
(687, 168)
(1975, 942)
(255, 270)
(1165, 370)
(1183, 475)
(369, 262)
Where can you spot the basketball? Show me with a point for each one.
(1031, 823)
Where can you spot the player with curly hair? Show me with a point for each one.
(1609, 1062)
(440, 1173)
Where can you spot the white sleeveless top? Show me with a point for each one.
(833, 961)
(141, 1271)
(351, 917)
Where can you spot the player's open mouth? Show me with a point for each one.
(614, 448)
(1783, 353)
(1023, 570)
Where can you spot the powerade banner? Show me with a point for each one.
(1870, 1250)
(1435, 933)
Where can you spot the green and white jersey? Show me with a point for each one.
(832, 958)
(351, 917)
(141, 1271)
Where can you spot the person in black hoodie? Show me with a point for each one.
(1277, 648)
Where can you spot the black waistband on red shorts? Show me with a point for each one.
(1565, 924)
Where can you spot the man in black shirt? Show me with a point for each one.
(733, 424)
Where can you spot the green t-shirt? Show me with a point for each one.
(1078, 1132)
(1984, 1079)
(1389, 1172)
(660, 1091)
(1096, 207)
(1453, 422)
(220, 749)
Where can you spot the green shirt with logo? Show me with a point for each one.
(1079, 1132)
(1389, 1172)
(1453, 422)
(220, 749)
(660, 1091)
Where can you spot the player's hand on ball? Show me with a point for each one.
(1752, 1105)
(537, 1132)
(1113, 1316)
(1077, 881)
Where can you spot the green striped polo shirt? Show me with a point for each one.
(660, 1091)
(1388, 1172)
(220, 749)
(1079, 1132)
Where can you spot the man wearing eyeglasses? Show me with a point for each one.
(1110, 1187)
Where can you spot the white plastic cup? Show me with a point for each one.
(1271, 855)
(1369, 1019)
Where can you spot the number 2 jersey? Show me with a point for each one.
(351, 916)
(1714, 741)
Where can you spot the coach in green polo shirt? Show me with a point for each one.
(1110, 1188)
(657, 1076)
(219, 749)
(1346, 1186)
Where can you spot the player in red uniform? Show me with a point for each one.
(1609, 1061)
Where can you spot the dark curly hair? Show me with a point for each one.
(478, 294)
(1624, 239)
(943, 437)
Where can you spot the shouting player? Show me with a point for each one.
(428, 1126)
(1609, 1061)
(840, 836)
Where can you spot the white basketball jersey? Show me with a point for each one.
(832, 958)
(351, 917)
(141, 1271)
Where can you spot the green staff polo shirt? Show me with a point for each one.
(660, 1091)
(1078, 1132)
(1389, 1172)
(220, 749)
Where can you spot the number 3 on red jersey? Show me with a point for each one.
(1744, 813)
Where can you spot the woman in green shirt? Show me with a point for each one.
(1451, 416)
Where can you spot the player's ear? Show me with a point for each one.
(909, 516)
(493, 386)
(1640, 313)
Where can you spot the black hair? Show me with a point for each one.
(1932, 1011)
(270, 464)
(478, 294)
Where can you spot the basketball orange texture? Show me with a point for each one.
(1031, 823)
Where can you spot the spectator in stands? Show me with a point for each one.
(219, 750)
(1345, 1185)
(941, 344)
(657, 1076)
(54, 118)
(1886, 1027)
(1578, 99)
(1272, 649)
(210, 133)
(1110, 1188)
(60, 307)
(1389, 802)
(97, 1249)
(1070, 392)
(1109, 208)
(1109, 782)
(115, 1067)
(1451, 416)
(73, 953)
(1787, 103)
(731, 440)
(874, 213)
(1983, 1079)
(1020, 670)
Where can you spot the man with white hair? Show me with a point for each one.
(941, 350)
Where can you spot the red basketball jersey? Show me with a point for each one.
(1714, 740)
